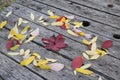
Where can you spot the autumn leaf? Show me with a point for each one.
(55, 43)
(77, 62)
(84, 71)
(71, 33)
(2, 24)
(8, 14)
(56, 66)
(32, 16)
(107, 44)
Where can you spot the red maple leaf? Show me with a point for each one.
(55, 43)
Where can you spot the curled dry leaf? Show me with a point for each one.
(8, 14)
(77, 62)
(56, 66)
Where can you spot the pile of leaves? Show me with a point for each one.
(18, 37)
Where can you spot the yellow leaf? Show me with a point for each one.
(85, 56)
(2, 24)
(94, 40)
(51, 60)
(19, 36)
(84, 41)
(101, 52)
(8, 14)
(45, 67)
(27, 61)
(77, 24)
(81, 33)
(57, 23)
(54, 16)
(20, 21)
(15, 47)
(86, 66)
(42, 62)
(95, 57)
(24, 21)
(32, 16)
(84, 71)
(50, 12)
(63, 19)
(25, 29)
(67, 25)
(72, 33)
(36, 55)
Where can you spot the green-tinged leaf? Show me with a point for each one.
(8, 14)
(77, 24)
(13, 53)
(85, 66)
(15, 47)
(25, 29)
(32, 16)
(20, 20)
(71, 33)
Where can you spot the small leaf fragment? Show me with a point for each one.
(25, 29)
(51, 60)
(15, 47)
(32, 16)
(107, 44)
(8, 14)
(85, 56)
(56, 23)
(85, 66)
(20, 20)
(50, 12)
(2, 24)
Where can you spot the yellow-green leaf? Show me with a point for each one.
(77, 24)
(84, 71)
(27, 61)
(13, 53)
(36, 55)
(25, 29)
(72, 33)
(54, 16)
(84, 41)
(45, 67)
(2, 24)
(15, 47)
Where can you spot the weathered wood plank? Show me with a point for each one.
(114, 51)
(65, 74)
(10, 70)
(73, 46)
(94, 27)
(85, 12)
(101, 5)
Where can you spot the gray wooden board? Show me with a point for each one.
(100, 5)
(73, 48)
(10, 70)
(85, 12)
(100, 29)
(65, 74)
(114, 51)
